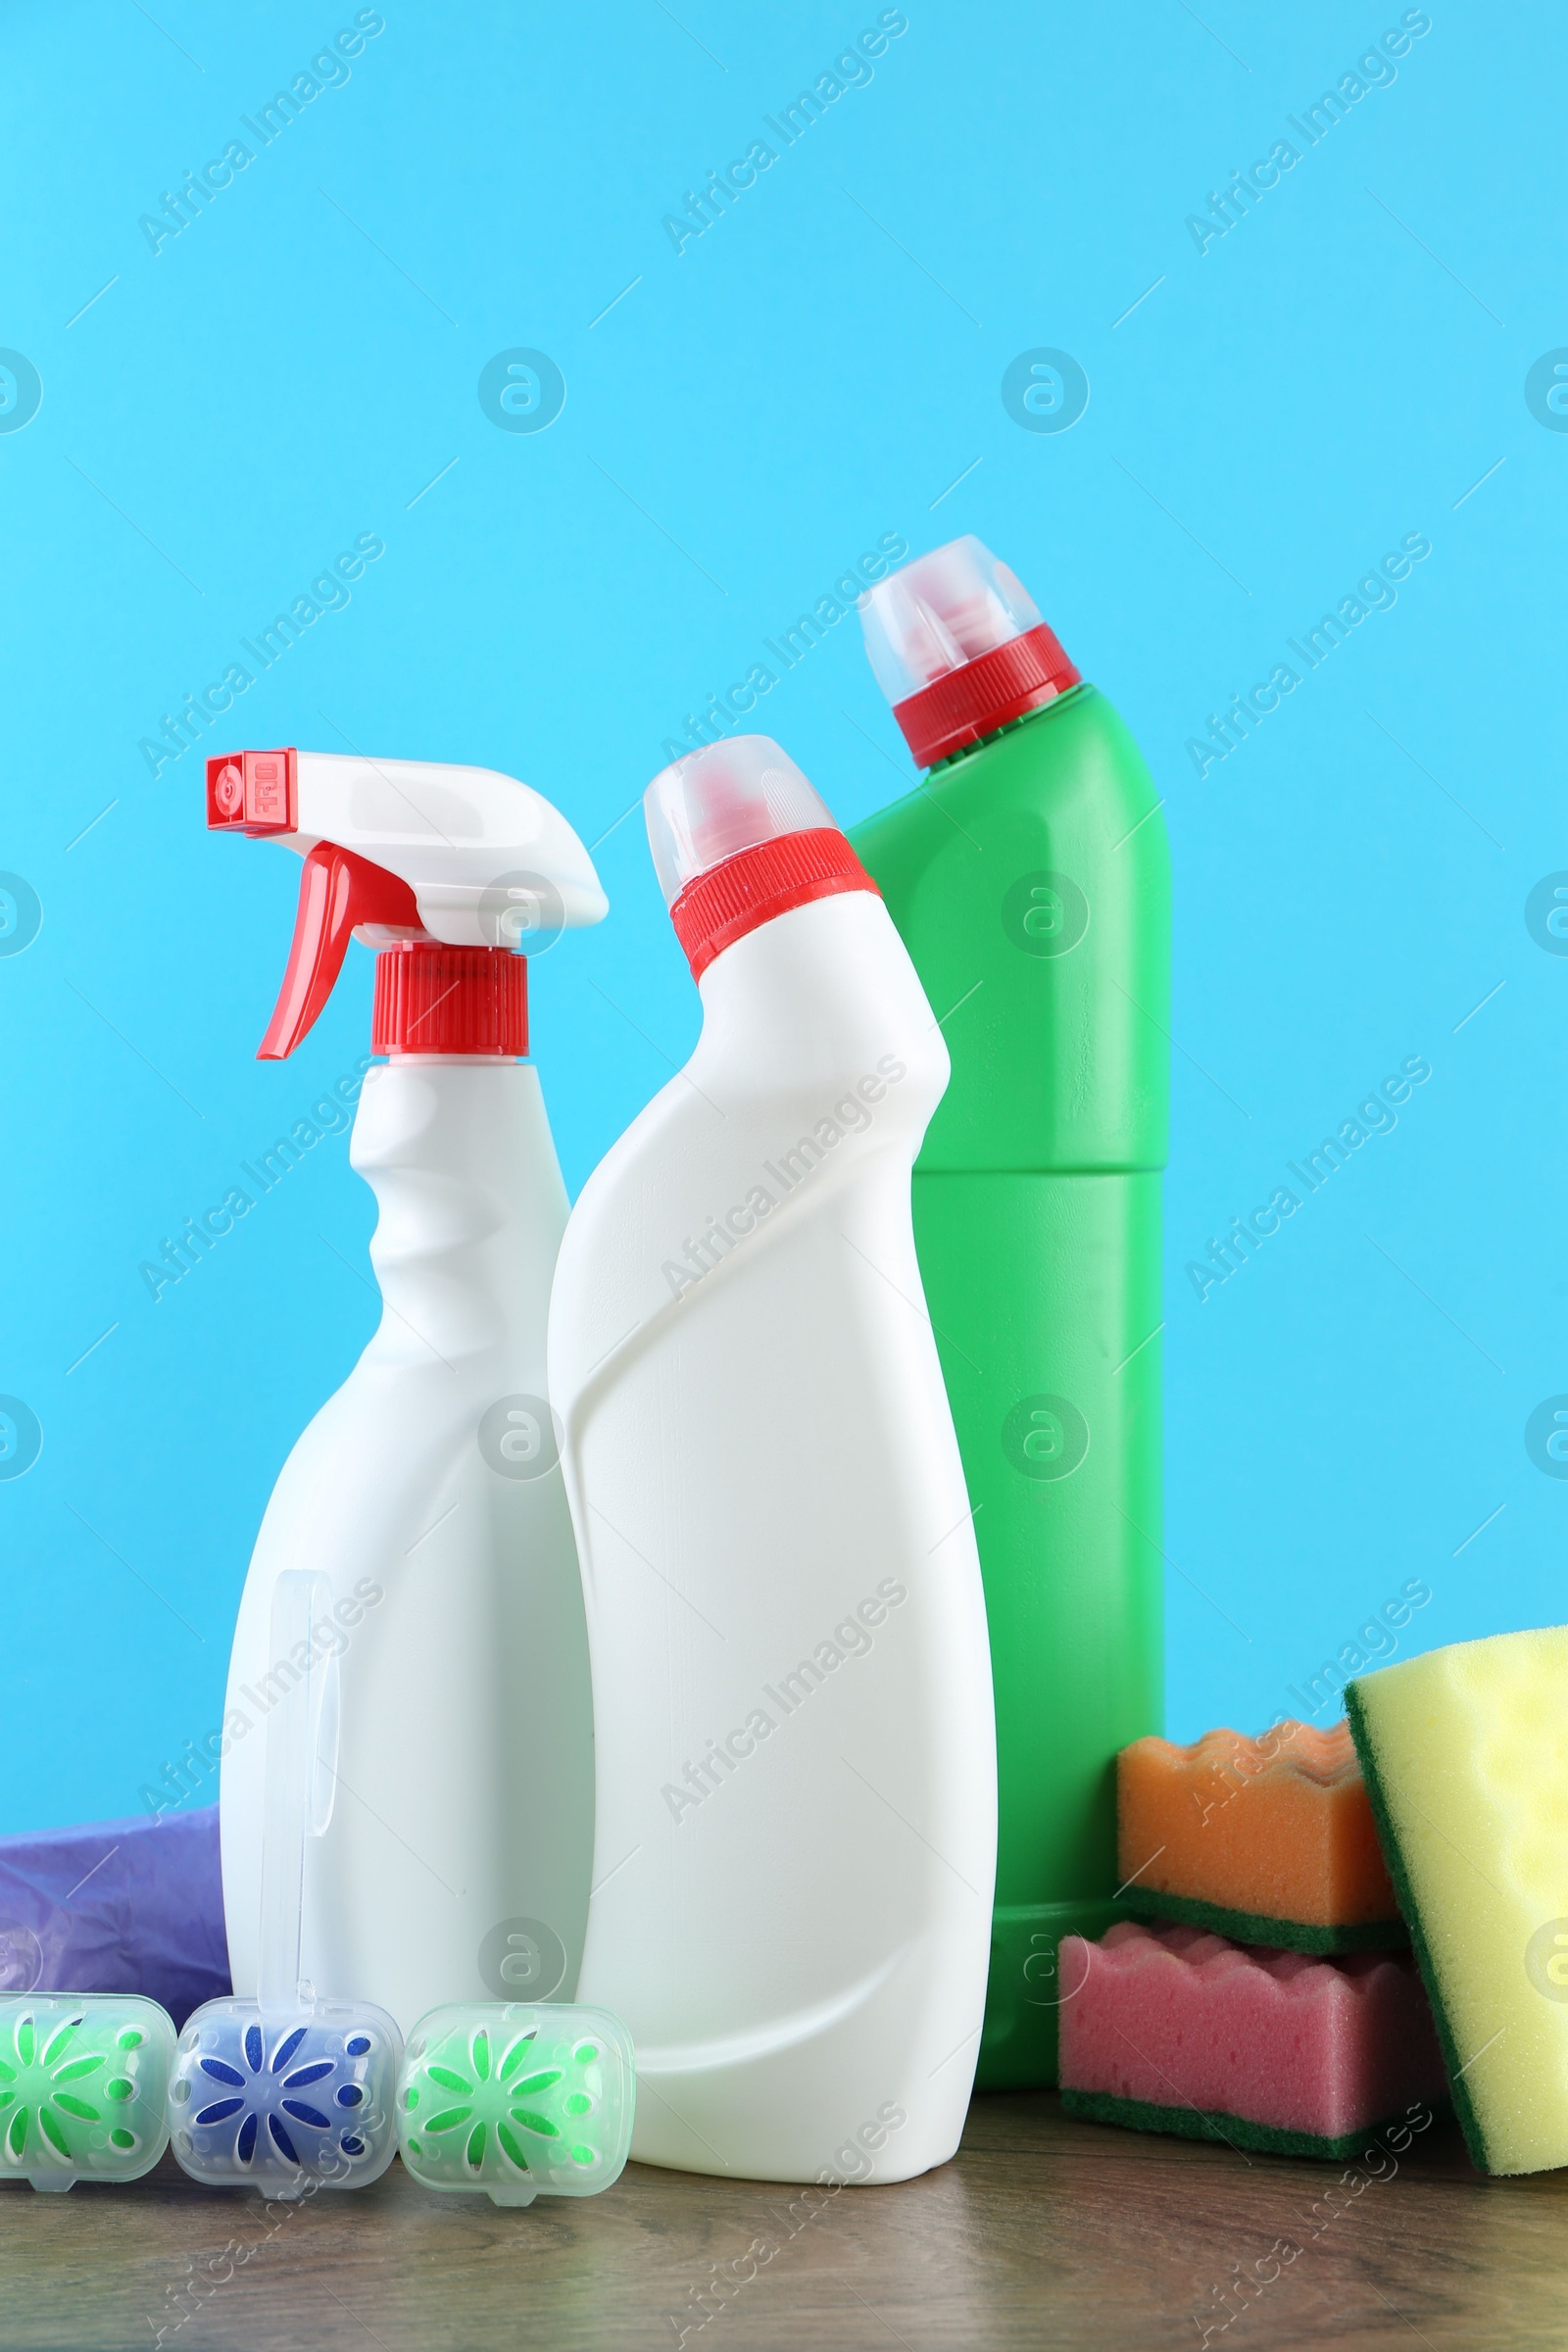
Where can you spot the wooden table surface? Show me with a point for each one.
(1043, 2232)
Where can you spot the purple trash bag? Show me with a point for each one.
(117, 1906)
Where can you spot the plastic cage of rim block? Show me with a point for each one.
(282, 2103)
(83, 2082)
(516, 2100)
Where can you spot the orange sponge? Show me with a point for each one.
(1267, 1841)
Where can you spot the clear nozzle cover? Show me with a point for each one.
(941, 611)
(725, 798)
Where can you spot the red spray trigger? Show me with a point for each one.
(338, 891)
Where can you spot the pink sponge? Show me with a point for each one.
(1174, 2030)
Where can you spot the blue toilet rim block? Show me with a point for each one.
(285, 2102)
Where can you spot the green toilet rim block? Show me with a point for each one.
(516, 2099)
(83, 2086)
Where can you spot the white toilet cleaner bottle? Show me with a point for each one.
(456, 1861)
(794, 1758)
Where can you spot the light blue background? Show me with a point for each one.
(814, 371)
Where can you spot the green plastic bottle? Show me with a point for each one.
(1029, 876)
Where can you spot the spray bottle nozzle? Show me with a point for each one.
(253, 792)
(417, 857)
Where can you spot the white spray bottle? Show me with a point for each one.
(456, 1861)
(796, 1759)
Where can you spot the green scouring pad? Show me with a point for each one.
(1255, 1927)
(1189, 2123)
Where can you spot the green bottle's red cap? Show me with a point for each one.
(959, 649)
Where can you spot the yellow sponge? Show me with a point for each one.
(1465, 1756)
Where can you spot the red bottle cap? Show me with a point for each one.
(431, 999)
(973, 701)
(750, 889)
(738, 836)
(959, 649)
